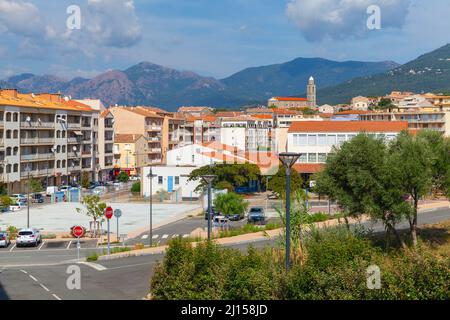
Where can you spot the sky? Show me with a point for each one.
(211, 37)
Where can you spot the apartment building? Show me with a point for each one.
(247, 133)
(201, 129)
(45, 136)
(129, 153)
(196, 111)
(315, 140)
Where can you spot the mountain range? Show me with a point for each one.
(150, 84)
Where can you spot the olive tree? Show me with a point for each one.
(94, 209)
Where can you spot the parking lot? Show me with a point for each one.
(46, 245)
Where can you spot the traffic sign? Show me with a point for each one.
(108, 213)
(117, 213)
(78, 231)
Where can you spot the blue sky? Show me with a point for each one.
(211, 37)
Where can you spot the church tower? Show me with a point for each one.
(311, 93)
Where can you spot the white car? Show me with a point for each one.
(29, 236)
(4, 240)
(99, 190)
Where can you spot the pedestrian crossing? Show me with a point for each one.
(166, 236)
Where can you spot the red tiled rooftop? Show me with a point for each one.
(348, 126)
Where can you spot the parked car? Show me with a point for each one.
(99, 190)
(29, 236)
(256, 215)
(20, 197)
(235, 217)
(214, 213)
(51, 190)
(64, 188)
(37, 198)
(4, 240)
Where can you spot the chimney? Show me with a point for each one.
(9, 92)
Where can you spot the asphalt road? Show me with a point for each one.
(34, 274)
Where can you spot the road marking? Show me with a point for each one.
(186, 236)
(156, 236)
(68, 246)
(33, 277)
(12, 247)
(40, 247)
(24, 271)
(165, 236)
(145, 236)
(175, 236)
(44, 287)
(95, 266)
(56, 297)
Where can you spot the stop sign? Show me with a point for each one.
(109, 213)
(78, 231)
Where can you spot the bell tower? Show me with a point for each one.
(311, 93)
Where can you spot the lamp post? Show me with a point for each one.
(288, 159)
(28, 197)
(151, 176)
(209, 179)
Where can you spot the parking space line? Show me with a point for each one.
(44, 287)
(95, 266)
(42, 244)
(24, 271)
(12, 247)
(68, 246)
(56, 297)
(165, 236)
(145, 236)
(156, 236)
(33, 277)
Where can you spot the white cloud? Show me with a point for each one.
(341, 19)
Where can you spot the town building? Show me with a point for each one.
(247, 133)
(296, 102)
(360, 103)
(196, 111)
(130, 153)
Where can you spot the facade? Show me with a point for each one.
(360, 103)
(129, 153)
(315, 140)
(199, 130)
(326, 108)
(196, 111)
(247, 133)
(47, 137)
(295, 102)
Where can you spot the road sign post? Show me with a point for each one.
(118, 214)
(78, 232)
(108, 215)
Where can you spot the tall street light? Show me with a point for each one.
(288, 159)
(209, 179)
(151, 176)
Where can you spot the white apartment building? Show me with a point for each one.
(45, 136)
(246, 133)
(315, 140)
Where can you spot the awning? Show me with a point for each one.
(78, 133)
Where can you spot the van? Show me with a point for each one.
(51, 190)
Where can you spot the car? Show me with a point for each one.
(256, 215)
(213, 213)
(20, 197)
(4, 240)
(99, 190)
(51, 190)
(235, 217)
(64, 188)
(28, 236)
(37, 198)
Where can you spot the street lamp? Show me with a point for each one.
(288, 159)
(151, 176)
(28, 197)
(209, 179)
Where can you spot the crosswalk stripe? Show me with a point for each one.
(145, 236)
(95, 266)
(165, 236)
(156, 236)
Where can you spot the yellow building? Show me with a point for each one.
(130, 153)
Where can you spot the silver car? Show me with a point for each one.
(27, 237)
(4, 240)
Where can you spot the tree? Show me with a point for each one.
(411, 161)
(123, 177)
(136, 187)
(3, 189)
(94, 209)
(5, 202)
(358, 176)
(85, 180)
(230, 203)
(236, 175)
(385, 103)
(35, 185)
(277, 183)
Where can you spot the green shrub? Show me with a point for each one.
(49, 236)
(12, 231)
(136, 187)
(92, 257)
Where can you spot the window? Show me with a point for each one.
(63, 134)
(312, 157)
(63, 149)
(8, 151)
(8, 116)
(322, 140)
(340, 139)
(300, 140)
(303, 158)
(8, 168)
(16, 167)
(15, 117)
(63, 163)
(15, 134)
(58, 134)
(8, 134)
(193, 158)
(177, 180)
(58, 149)
(312, 140)
(15, 151)
(350, 137)
(58, 164)
(160, 180)
(331, 139)
(322, 157)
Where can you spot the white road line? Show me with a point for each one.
(68, 246)
(95, 266)
(44, 287)
(12, 247)
(56, 297)
(165, 236)
(33, 277)
(40, 247)
(156, 236)
(145, 236)
(24, 271)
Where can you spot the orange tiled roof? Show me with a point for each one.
(192, 109)
(286, 111)
(226, 114)
(289, 99)
(352, 112)
(308, 167)
(142, 112)
(348, 126)
(262, 116)
(126, 138)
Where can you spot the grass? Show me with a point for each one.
(49, 236)
(92, 257)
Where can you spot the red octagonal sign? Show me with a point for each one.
(78, 231)
(109, 213)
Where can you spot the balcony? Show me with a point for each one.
(32, 141)
(109, 139)
(74, 168)
(87, 141)
(154, 139)
(153, 128)
(72, 154)
(32, 173)
(74, 125)
(37, 156)
(37, 125)
(73, 140)
(153, 161)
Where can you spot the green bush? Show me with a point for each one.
(136, 187)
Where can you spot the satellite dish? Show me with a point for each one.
(28, 119)
(74, 149)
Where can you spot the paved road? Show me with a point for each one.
(126, 278)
